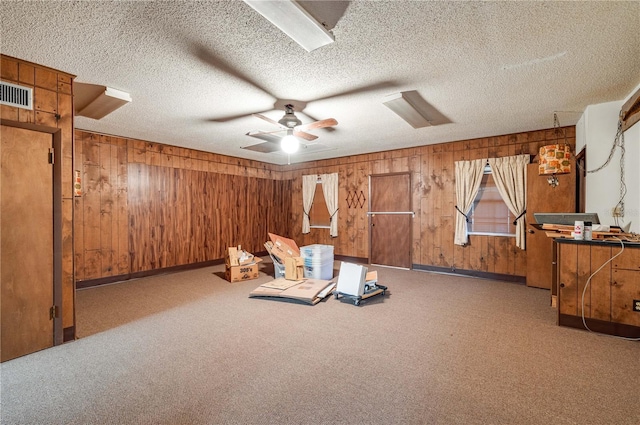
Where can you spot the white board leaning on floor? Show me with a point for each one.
(351, 279)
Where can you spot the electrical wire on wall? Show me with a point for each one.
(584, 291)
(618, 142)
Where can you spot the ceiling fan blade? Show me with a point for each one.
(273, 136)
(305, 136)
(209, 57)
(265, 147)
(233, 117)
(329, 122)
(271, 142)
(266, 136)
(362, 89)
(269, 120)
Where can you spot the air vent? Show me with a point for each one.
(14, 95)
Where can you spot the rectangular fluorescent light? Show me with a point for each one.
(107, 101)
(401, 104)
(294, 21)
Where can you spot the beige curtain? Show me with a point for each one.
(510, 175)
(468, 178)
(330, 192)
(308, 192)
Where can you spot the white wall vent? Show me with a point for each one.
(14, 95)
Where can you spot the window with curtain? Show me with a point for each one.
(489, 215)
(319, 214)
(468, 178)
(320, 204)
(509, 179)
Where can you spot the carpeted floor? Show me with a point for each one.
(192, 348)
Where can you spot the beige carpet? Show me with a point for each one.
(192, 348)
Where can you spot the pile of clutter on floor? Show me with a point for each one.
(304, 274)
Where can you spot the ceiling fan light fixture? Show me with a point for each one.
(401, 104)
(289, 121)
(294, 21)
(289, 143)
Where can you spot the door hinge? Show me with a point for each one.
(51, 156)
(53, 312)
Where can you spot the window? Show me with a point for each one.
(320, 202)
(489, 214)
(319, 214)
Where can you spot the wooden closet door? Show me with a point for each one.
(542, 198)
(26, 251)
(390, 220)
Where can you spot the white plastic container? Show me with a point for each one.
(318, 261)
(319, 271)
(317, 252)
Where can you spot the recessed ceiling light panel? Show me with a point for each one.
(293, 20)
(107, 101)
(401, 104)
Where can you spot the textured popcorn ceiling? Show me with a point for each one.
(484, 68)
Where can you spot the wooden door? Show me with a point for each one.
(390, 220)
(542, 198)
(26, 251)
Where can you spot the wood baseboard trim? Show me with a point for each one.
(472, 273)
(69, 334)
(82, 284)
(360, 260)
(89, 283)
(600, 326)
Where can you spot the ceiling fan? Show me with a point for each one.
(291, 132)
(211, 58)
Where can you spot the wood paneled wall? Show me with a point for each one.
(101, 211)
(433, 200)
(53, 107)
(147, 206)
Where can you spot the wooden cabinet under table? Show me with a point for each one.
(611, 293)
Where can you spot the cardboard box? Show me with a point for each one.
(310, 291)
(293, 268)
(242, 272)
(283, 247)
(238, 256)
(240, 265)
